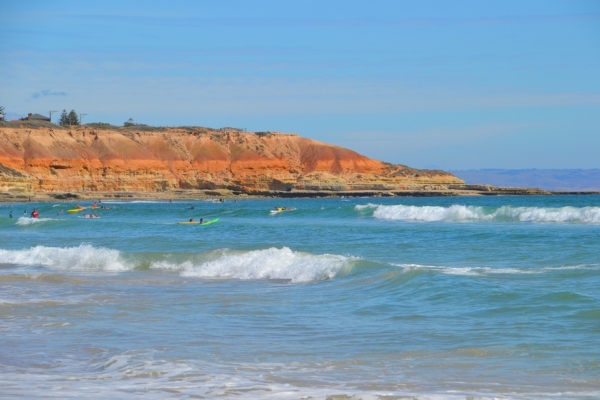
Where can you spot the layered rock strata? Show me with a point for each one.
(84, 159)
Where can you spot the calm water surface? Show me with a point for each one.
(368, 298)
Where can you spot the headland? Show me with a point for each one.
(51, 162)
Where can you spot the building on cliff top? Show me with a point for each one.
(37, 117)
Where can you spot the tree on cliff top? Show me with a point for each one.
(129, 122)
(73, 118)
(2, 111)
(63, 120)
(68, 119)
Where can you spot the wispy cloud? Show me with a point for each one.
(193, 20)
(44, 93)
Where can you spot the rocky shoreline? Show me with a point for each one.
(466, 190)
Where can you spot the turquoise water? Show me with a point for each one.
(367, 298)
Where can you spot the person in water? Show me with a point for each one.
(10, 214)
(201, 220)
(191, 208)
(79, 207)
(35, 213)
(192, 220)
(95, 205)
(25, 213)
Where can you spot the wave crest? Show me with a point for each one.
(83, 257)
(270, 263)
(459, 213)
(30, 221)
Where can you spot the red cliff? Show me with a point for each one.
(129, 159)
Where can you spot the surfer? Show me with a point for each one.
(79, 207)
(192, 220)
(10, 214)
(201, 220)
(60, 212)
(95, 205)
(35, 213)
(25, 213)
(191, 208)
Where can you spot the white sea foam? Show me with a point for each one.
(461, 213)
(29, 221)
(270, 263)
(365, 206)
(145, 373)
(83, 257)
(482, 271)
(259, 264)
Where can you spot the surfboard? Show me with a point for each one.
(212, 221)
(75, 210)
(281, 209)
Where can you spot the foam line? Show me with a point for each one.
(461, 213)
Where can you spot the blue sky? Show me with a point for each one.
(430, 84)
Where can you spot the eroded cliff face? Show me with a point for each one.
(83, 159)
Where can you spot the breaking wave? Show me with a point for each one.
(83, 257)
(29, 221)
(270, 263)
(460, 213)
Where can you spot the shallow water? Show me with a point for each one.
(371, 298)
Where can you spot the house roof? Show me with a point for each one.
(38, 116)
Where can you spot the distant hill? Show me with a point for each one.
(570, 180)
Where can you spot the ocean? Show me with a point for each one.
(370, 298)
